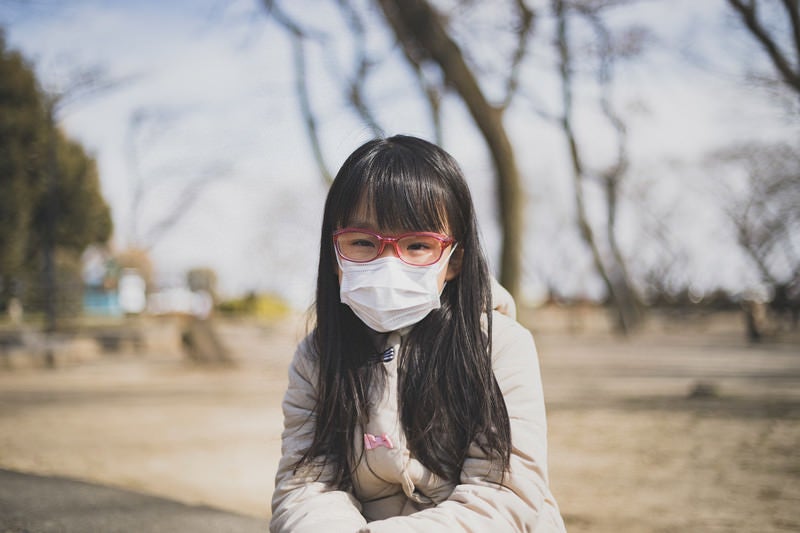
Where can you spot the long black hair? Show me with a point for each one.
(448, 395)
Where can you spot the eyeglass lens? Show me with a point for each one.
(414, 249)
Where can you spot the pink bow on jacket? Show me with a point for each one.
(371, 441)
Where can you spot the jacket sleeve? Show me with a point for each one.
(303, 501)
(522, 502)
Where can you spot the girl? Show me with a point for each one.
(412, 405)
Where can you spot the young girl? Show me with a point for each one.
(412, 405)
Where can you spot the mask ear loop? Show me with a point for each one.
(442, 267)
(447, 261)
(338, 259)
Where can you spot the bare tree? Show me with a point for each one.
(424, 37)
(442, 64)
(765, 215)
(612, 266)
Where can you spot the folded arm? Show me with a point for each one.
(304, 501)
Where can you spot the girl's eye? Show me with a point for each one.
(418, 246)
(362, 242)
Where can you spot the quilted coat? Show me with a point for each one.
(393, 491)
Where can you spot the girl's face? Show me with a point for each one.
(365, 218)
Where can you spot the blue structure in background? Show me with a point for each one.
(100, 302)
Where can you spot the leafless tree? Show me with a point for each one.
(766, 216)
(610, 266)
(443, 64)
(424, 37)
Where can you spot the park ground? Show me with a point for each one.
(682, 427)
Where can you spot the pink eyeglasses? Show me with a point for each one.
(418, 248)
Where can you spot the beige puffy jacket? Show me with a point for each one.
(393, 492)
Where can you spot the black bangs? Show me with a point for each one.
(398, 190)
(406, 199)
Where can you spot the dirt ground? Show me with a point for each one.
(684, 427)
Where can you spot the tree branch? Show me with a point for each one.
(431, 92)
(298, 37)
(747, 12)
(524, 28)
(793, 10)
(185, 200)
(355, 93)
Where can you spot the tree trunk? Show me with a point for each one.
(421, 32)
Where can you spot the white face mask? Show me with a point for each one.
(388, 294)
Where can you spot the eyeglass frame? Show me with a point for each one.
(444, 240)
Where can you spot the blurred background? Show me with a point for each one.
(636, 170)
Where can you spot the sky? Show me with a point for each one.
(204, 92)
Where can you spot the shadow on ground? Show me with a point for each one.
(31, 503)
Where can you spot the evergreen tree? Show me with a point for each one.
(43, 174)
